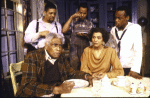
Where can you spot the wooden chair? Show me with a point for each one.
(15, 70)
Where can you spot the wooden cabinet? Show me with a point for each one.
(110, 14)
(94, 13)
(110, 8)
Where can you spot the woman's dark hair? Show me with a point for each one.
(104, 33)
(49, 5)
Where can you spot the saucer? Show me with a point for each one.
(132, 93)
(121, 84)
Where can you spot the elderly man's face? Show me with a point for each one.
(54, 48)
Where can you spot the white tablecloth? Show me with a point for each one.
(113, 91)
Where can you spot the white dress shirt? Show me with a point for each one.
(130, 47)
(33, 37)
(48, 57)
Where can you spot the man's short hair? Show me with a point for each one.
(84, 5)
(104, 33)
(126, 9)
(49, 5)
(50, 36)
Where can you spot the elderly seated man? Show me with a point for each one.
(45, 70)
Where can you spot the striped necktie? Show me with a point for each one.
(119, 40)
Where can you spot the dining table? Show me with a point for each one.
(113, 90)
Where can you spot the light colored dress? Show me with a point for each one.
(107, 58)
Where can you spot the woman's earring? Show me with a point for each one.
(104, 43)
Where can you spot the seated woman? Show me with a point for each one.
(97, 59)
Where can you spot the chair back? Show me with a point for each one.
(15, 70)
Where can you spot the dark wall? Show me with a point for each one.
(61, 10)
(147, 47)
(148, 15)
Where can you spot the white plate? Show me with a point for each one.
(83, 32)
(79, 83)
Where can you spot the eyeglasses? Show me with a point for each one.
(57, 45)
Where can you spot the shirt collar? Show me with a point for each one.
(84, 20)
(41, 20)
(127, 26)
(48, 57)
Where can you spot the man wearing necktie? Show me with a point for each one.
(128, 39)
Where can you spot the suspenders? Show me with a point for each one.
(37, 26)
(29, 46)
(56, 27)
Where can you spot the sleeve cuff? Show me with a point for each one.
(35, 37)
(135, 70)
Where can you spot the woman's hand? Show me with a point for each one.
(98, 75)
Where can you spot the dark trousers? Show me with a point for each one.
(75, 55)
(126, 71)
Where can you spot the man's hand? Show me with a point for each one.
(65, 87)
(76, 15)
(82, 34)
(98, 75)
(89, 78)
(134, 75)
(43, 33)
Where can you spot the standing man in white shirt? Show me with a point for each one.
(128, 37)
(46, 25)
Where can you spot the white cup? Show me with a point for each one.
(121, 80)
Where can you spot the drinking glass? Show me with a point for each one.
(96, 87)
